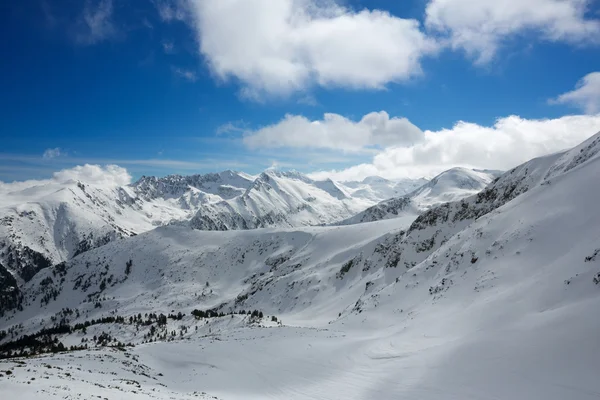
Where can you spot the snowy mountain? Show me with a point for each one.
(225, 185)
(49, 222)
(375, 188)
(489, 297)
(45, 223)
(450, 185)
(281, 199)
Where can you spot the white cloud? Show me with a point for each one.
(336, 132)
(186, 74)
(509, 142)
(53, 153)
(275, 48)
(95, 24)
(232, 127)
(586, 94)
(108, 175)
(278, 47)
(480, 26)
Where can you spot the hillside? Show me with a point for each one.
(376, 188)
(477, 298)
(44, 223)
(451, 185)
(281, 199)
(47, 222)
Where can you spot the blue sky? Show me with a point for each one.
(188, 86)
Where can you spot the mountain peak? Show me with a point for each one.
(291, 174)
(450, 185)
(375, 179)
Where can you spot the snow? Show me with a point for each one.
(376, 188)
(490, 297)
(451, 185)
(47, 222)
(282, 199)
(105, 374)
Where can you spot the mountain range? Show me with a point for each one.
(45, 223)
(482, 285)
(451, 185)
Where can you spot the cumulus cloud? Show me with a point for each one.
(480, 26)
(275, 48)
(336, 132)
(509, 142)
(586, 94)
(108, 175)
(403, 150)
(52, 153)
(95, 24)
(278, 47)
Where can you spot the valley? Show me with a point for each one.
(476, 298)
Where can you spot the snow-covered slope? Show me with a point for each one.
(288, 199)
(450, 185)
(281, 199)
(44, 223)
(225, 185)
(375, 188)
(387, 209)
(490, 297)
(49, 222)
